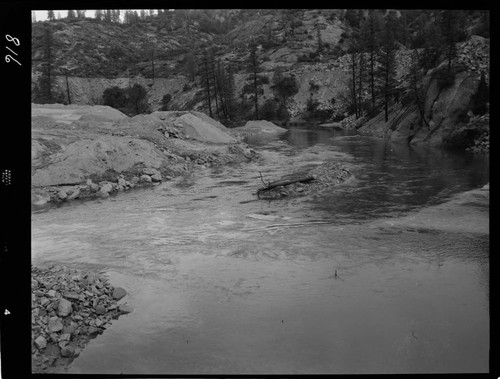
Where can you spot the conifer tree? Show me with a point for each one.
(370, 34)
(50, 15)
(254, 69)
(98, 14)
(71, 14)
(387, 67)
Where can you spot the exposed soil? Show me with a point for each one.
(83, 152)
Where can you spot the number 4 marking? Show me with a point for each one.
(6, 312)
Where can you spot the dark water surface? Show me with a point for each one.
(224, 284)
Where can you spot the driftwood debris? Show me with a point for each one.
(279, 183)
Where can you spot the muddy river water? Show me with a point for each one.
(222, 283)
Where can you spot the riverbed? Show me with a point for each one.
(386, 273)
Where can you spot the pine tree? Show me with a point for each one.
(205, 77)
(387, 67)
(254, 69)
(451, 24)
(98, 14)
(50, 15)
(370, 34)
(33, 16)
(190, 66)
(71, 14)
(80, 13)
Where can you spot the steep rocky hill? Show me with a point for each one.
(89, 56)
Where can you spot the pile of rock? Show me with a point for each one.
(325, 176)
(68, 308)
(101, 189)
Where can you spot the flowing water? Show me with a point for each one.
(222, 283)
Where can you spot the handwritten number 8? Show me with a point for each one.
(12, 39)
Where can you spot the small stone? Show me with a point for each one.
(55, 325)
(70, 329)
(62, 195)
(64, 308)
(71, 295)
(98, 322)
(100, 309)
(88, 182)
(41, 342)
(125, 309)
(118, 293)
(94, 187)
(122, 182)
(135, 180)
(67, 351)
(65, 337)
(52, 293)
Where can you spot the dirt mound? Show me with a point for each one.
(197, 126)
(258, 127)
(81, 158)
(70, 113)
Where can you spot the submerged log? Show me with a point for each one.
(280, 183)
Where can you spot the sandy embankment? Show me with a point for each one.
(92, 151)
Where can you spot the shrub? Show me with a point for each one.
(131, 100)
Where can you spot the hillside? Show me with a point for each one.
(165, 54)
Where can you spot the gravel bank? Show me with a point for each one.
(69, 307)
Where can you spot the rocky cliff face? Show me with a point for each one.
(447, 108)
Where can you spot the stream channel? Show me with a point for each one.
(223, 283)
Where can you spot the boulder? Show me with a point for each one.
(62, 195)
(106, 188)
(146, 179)
(125, 309)
(41, 342)
(55, 325)
(150, 171)
(118, 293)
(122, 182)
(156, 178)
(67, 351)
(100, 309)
(75, 194)
(135, 180)
(64, 307)
(39, 199)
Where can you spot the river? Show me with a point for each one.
(222, 283)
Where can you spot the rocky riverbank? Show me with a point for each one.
(69, 307)
(86, 152)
